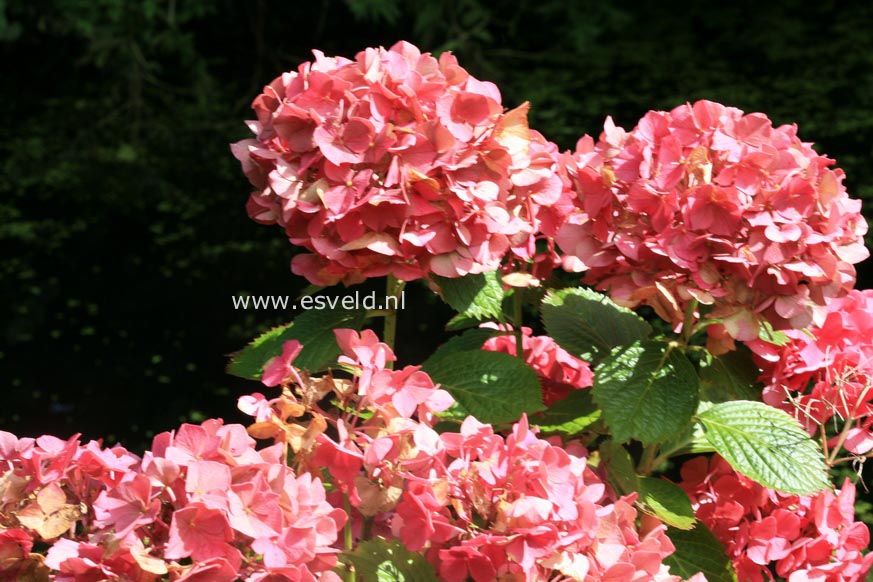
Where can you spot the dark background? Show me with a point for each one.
(123, 233)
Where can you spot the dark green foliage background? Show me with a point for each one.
(123, 233)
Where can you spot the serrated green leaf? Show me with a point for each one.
(569, 416)
(767, 445)
(313, 329)
(249, 361)
(379, 560)
(732, 376)
(477, 296)
(619, 467)
(461, 321)
(588, 324)
(647, 391)
(470, 340)
(666, 501)
(698, 550)
(492, 386)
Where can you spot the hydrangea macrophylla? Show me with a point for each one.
(387, 418)
(559, 372)
(826, 371)
(524, 508)
(203, 493)
(476, 503)
(800, 538)
(397, 162)
(706, 204)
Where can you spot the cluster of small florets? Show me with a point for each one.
(202, 505)
(706, 204)
(799, 538)
(478, 505)
(559, 372)
(397, 163)
(524, 508)
(824, 374)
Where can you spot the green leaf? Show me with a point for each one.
(648, 391)
(588, 324)
(732, 376)
(313, 329)
(767, 445)
(619, 467)
(379, 560)
(461, 321)
(471, 340)
(569, 416)
(692, 439)
(477, 296)
(768, 334)
(698, 550)
(666, 501)
(492, 386)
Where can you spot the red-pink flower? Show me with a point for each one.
(211, 570)
(127, 505)
(705, 204)
(200, 532)
(280, 368)
(15, 546)
(398, 162)
(524, 507)
(826, 371)
(800, 537)
(216, 503)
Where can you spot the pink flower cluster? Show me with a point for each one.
(478, 505)
(826, 371)
(706, 204)
(397, 162)
(201, 506)
(800, 538)
(524, 508)
(559, 372)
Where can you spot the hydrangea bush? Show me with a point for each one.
(673, 419)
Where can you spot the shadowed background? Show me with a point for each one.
(123, 233)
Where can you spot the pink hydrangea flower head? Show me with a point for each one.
(826, 371)
(813, 537)
(523, 508)
(704, 203)
(237, 512)
(397, 162)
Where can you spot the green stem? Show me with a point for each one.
(688, 327)
(517, 323)
(367, 532)
(664, 456)
(849, 423)
(648, 460)
(393, 288)
(349, 539)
